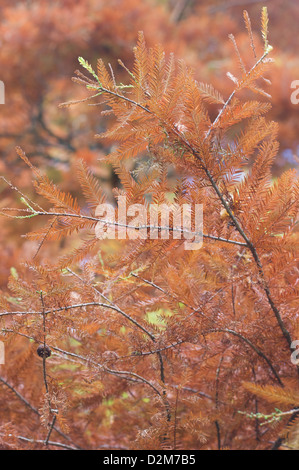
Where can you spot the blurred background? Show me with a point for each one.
(40, 42)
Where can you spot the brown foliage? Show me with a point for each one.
(153, 346)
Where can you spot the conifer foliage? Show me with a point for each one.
(140, 344)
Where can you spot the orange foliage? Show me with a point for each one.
(140, 344)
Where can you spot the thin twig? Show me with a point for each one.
(153, 338)
(50, 430)
(120, 374)
(217, 403)
(32, 408)
(250, 344)
(50, 443)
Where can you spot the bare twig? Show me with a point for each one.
(217, 403)
(50, 443)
